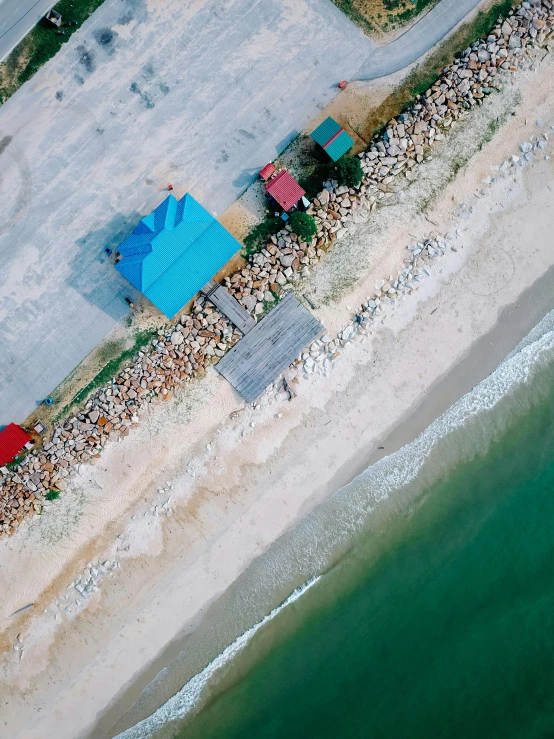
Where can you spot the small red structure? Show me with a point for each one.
(342, 84)
(267, 171)
(285, 189)
(12, 441)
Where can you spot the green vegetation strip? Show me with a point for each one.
(424, 75)
(108, 372)
(404, 11)
(41, 44)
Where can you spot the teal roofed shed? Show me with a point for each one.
(333, 138)
(174, 251)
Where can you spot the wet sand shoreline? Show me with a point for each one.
(514, 324)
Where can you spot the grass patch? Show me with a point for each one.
(382, 15)
(269, 304)
(313, 178)
(409, 12)
(41, 44)
(52, 495)
(458, 163)
(258, 235)
(340, 285)
(351, 8)
(109, 371)
(494, 126)
(424, 75)
(348, 171)
(112, 348)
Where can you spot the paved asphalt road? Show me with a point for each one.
(417, 40)
(17, 17)
(201, 94)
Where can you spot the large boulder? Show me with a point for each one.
(323, 197)
(287, 259)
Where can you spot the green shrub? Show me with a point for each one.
(52, 495)
(41, 44)
(303, 225)
(258, 236)
(348, 171)
(312, 180)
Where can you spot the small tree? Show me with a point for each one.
(349, 172)
(303, 225)
(52, 495)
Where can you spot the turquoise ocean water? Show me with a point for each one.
(422, 597)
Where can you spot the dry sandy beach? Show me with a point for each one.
(187, 501)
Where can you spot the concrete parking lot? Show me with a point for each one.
(200, 94)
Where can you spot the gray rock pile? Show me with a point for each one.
(88, 581)
(183, 351)
(395, 154)
(175, 356)
(284, 259)
(420, 259)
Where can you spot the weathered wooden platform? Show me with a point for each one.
(269, 348)
(227, 304)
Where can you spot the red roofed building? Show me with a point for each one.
(267, 171)
(12, 441)
(285, 189)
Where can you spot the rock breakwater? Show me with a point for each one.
(182, 351)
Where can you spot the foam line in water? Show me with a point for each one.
(312, 544)
(544, 326)
(191, 693)
(461, 432)
(518, 368)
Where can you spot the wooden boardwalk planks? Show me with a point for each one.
(227, 304)
(269, 348)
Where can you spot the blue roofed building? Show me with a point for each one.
(174, 251)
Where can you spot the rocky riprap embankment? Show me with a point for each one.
(175, 356)
(461, 87)
(317, 358)
(182, 351)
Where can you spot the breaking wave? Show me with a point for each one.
(385, 489)
(191, 694)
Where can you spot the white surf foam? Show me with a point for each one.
(516, 370)
(544, 326)
(379, 482)
(314, 542)
(190, 694)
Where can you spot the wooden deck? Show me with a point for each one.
(269, 348)
(227, 304)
